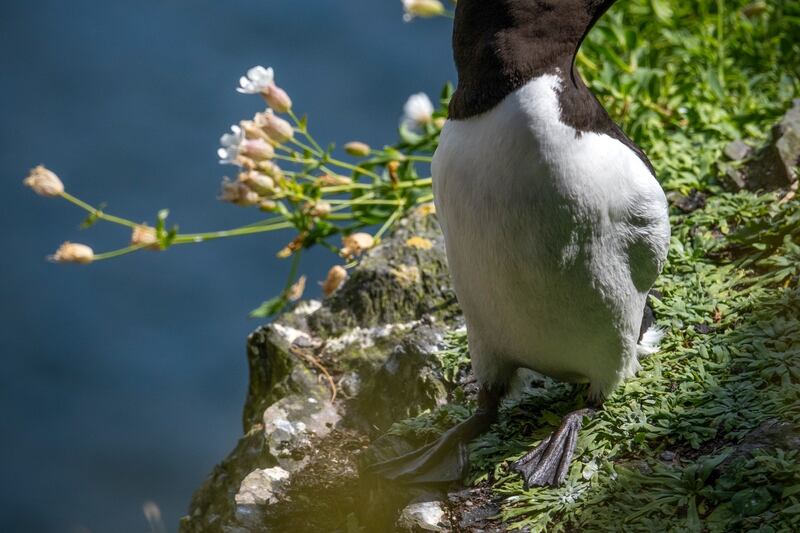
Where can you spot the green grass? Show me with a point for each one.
(730, 362)
(683, 79)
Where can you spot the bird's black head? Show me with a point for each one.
(498, 45)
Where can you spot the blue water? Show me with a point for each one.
(123, 381)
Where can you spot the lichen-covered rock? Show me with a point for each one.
(408, 381)
(400, 280)
(327, 378)
(261, 486)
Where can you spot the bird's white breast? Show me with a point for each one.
(553, 238)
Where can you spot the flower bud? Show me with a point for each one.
(292, 247)
(336, 276)
(269, 206)
(277, 129)
(357, 149)
(71, 252)
(393, 167)
(244, 162)
(332, 180)
(144, 235)
(356, 244)
(252, 131)
(422, 8)
(44, 182)
(238, 193)
(320, 208)
(296, 291)
(258, 182)
(256, 149)
(270, 169)
(277, 99)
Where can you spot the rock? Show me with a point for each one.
(770, 435)
(735, 177)
(423, 516)
(212, 505)
(737, 150)
(406, 383)
(396, 282)
(326, 379)
(290, 423)
(694, 201)
(773, 166)
(261, 486)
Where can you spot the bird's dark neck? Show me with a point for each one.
(500, 45)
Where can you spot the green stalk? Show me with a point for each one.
(389, 221)
(721, 41)
(97, 212)
(121, 251)
(192, 238)
(304, 131)
(356, 169)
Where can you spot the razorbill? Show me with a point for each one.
(555, 226)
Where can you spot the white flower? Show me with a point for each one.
(417, 111)
(421, 8)
(258, 79)
(230, 146)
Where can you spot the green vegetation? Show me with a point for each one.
(685, 78)
(702, 439)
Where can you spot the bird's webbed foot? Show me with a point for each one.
(548, 463)
(445, 460)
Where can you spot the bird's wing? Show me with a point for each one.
(647, 226)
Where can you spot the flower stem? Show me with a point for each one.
(389, 221)
(121, 251)
(293, 271)
(420, 158)
(304, 131)
(306, 147)
(355, 168)
(191, 238)
(97, 212)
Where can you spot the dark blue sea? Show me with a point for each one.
(122, 382)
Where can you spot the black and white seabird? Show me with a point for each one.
(555, 226)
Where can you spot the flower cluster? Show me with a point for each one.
(252, 145)
(346, 205)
